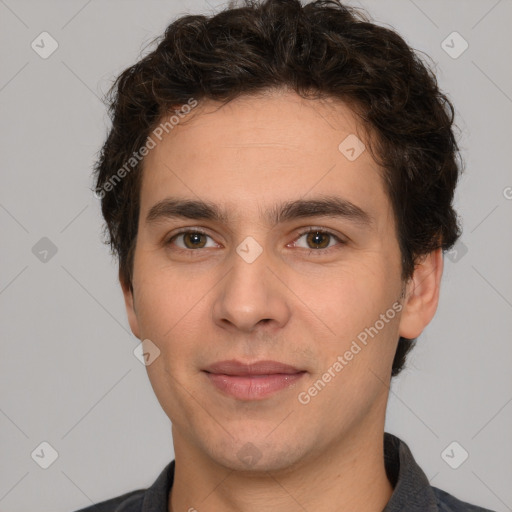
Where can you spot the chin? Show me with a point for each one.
(256, 454)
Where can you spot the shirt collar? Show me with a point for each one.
(412, 490)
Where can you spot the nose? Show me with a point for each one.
(251, 296)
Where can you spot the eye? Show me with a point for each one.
(191, 239)
(317, 240)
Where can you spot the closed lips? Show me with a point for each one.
(237, 368)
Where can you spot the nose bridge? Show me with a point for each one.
(249, 292)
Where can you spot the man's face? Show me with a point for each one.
(255, 288)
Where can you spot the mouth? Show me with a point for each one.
(254, 381)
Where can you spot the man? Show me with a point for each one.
(278, 186)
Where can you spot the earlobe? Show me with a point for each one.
(130, 306)
(422, 295)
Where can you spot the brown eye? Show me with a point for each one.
(318, 238)
(187, 240)
(193, 240)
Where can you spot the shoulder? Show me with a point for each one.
(154, 498)
(129, 502)
(448, 503)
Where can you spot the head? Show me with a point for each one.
(245, 113)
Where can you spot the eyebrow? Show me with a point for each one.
(325, 206)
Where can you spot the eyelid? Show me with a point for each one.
(168, 239)
(314, 229)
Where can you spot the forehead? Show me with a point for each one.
(258, 150)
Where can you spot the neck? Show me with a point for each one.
(349, 476)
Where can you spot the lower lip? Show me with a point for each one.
(253, 387)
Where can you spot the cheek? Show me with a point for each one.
(164, 295)
(358, 305)
(173, 311)
(349, 298)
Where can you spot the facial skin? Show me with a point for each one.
(297, 303)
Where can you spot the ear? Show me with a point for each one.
(422, 295)
(130, 306)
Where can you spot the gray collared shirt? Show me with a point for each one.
(412, 490)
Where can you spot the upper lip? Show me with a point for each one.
(234, 367)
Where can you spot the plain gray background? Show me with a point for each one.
(67, 369)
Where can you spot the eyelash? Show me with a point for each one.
(309, 252)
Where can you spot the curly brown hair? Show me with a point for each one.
(320, 49)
